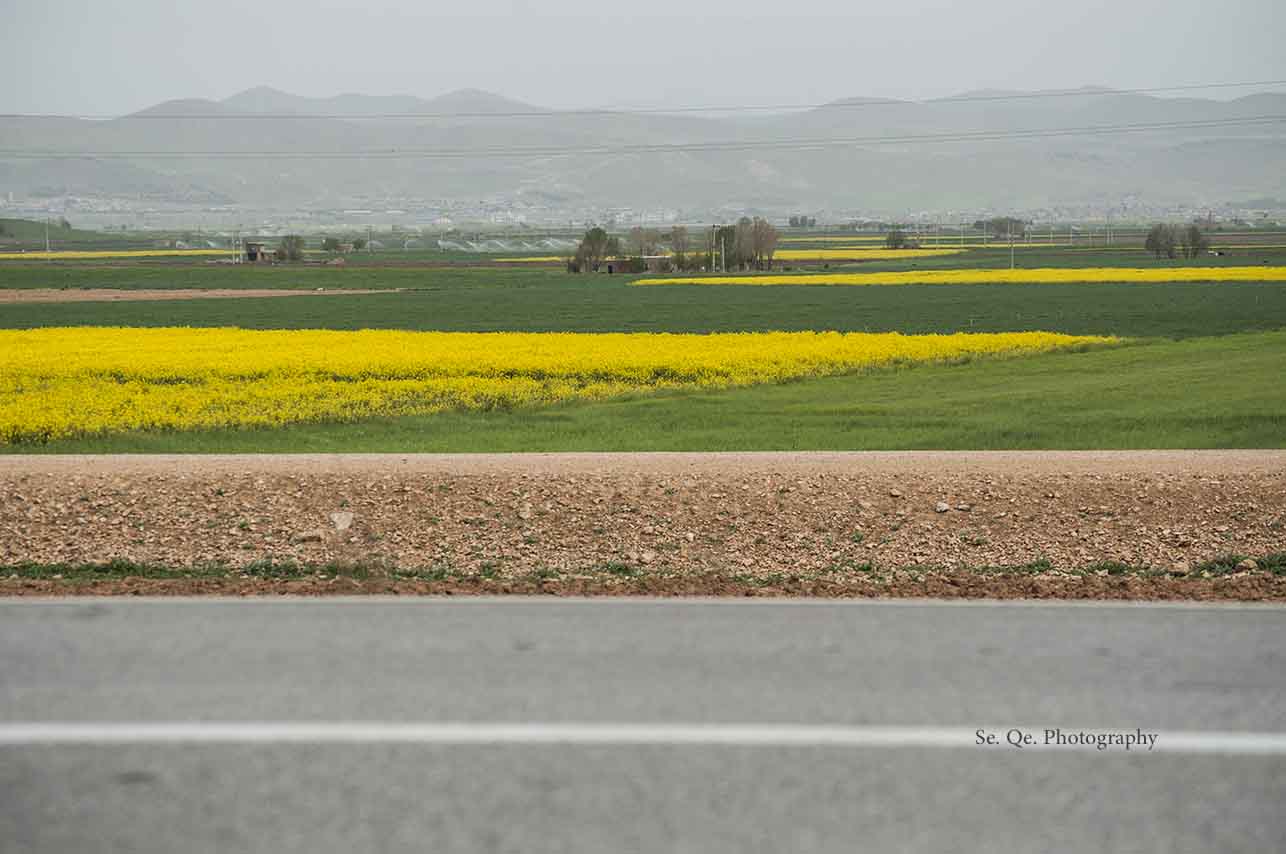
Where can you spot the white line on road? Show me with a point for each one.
(705, 735)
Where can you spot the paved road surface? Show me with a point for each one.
(533, 726)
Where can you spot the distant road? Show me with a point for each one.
(1271, 461)
(599, 726)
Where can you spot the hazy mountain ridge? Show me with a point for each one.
(495, 152)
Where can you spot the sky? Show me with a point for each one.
(88, 57)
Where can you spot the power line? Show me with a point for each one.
(609, 112)
(644, 148)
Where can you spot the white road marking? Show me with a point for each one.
(706, 735)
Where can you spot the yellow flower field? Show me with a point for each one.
(533, 259)
(1049, 275)
(861, 253)
(927, 238)
(943, 247)
(92, 255)
(62, 382)
(856, 238)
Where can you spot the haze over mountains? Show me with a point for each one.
(273, 150)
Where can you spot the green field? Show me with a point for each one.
(30, 234)
(1204, 367)
(1224, 392)
(480, 299)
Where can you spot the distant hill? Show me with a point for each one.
(30, 234)
(269, 101)
(185, 108)
(973, 151)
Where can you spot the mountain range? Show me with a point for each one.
(985, 150)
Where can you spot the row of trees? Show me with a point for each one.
(749, 244)
(1002, 227)
(332, 244)
(291, 247)
(803, 222)
(897, 239)
(1174, 240)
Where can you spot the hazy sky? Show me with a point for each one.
(91, 56)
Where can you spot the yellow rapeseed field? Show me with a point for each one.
(945, 237)
(1048, 275)
(91, 255)
(62, 382)
(857, 253)
(533, 259)
(860, 254)
(856, 238)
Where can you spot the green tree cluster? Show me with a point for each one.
(1164, 239)
(291, 248)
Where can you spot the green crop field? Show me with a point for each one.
(472, 301)
(1223, 392)
(1202, 366)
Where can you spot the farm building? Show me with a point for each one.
(256, 252)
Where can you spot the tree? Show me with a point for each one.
(1194, 241)
(1003, 227)
(709, 240)
(330, 244)
(1161, 240)
(743, 243)
(725, 247)
(595, 247)
(64, 224)
(896, 239)
(764, 242)
(643, 241)
(359, 244)
(291, 248)
(679, 245)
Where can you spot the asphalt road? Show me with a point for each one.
(601, 726)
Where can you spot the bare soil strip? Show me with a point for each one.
(1107, 525)
(44, 295)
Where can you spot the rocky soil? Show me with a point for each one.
(1011, 524)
